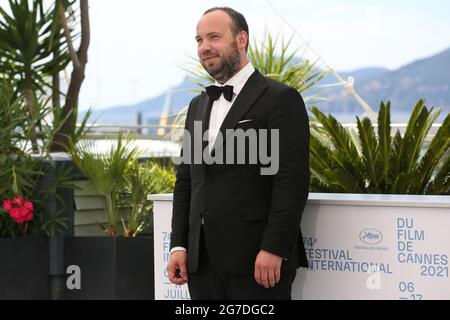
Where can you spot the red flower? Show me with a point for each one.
(16, 214)
(18, 201)
(8, 205)
(21, 214)
(28, 205)
(21, 211)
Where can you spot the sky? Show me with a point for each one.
(138, 46)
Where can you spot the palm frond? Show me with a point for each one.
(369, 145)
(384, 137)
(438, 149)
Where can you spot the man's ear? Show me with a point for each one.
(243, 39)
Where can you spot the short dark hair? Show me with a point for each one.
(238, 22)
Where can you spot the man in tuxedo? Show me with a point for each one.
(236, 229)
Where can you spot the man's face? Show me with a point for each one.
(218, 49)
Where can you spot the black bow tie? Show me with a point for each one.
(214, 92)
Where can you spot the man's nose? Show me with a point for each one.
(204, 48)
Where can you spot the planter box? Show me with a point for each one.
(24, 269)
(359, 246)
(111, 268)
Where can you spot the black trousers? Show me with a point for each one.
(208, 284)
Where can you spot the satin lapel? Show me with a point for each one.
(205, 106)
(252, 90)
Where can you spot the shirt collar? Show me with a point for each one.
(239, 79)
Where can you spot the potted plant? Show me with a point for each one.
(120, 265)
(25, 222)
(374, 160)
(37, 42)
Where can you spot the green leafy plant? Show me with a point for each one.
(21, 173)
(142, 179)
(124, 181)
(36, 44)
(375, 161)
(107, 173)
(31, 48)
(283, 65)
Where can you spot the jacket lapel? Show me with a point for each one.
(205, 106)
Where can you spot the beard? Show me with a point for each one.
(227, 67)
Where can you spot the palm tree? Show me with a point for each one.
(344, 161)
(107, 172)
(143, 178)
(36, 44)
(29, 39)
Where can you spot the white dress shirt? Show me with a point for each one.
(220, 109)
(222, 106)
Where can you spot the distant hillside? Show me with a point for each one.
(360, 74)
(426, 78)
(149, 109)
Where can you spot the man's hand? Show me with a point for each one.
(267, 269)
(177, 268)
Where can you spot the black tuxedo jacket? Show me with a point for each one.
(243, 211)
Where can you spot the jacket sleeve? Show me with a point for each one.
(182, 196)
(291, 183)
